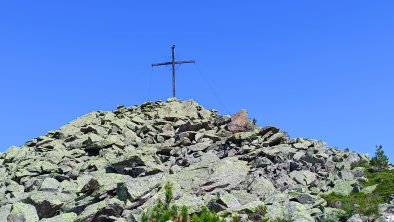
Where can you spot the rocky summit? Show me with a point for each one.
(113, 166)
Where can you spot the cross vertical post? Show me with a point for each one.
(173, 71)
(173, 63)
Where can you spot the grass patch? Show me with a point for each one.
(385, 181)
(356, 203)
(367, 204)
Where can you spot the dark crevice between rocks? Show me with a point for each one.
(93, 152)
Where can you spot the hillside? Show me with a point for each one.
(113, 166)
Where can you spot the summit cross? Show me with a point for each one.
(173, 63)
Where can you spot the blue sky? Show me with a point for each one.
(316, 69)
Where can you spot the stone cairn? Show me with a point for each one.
(111, 166)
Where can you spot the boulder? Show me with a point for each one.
(276, 139)
(369, 189)
(262, 187)
(358, 218)
(5, 211)
(344, 188)
(98, 183)
(101, 211)
(227, 173)
(303, 177)
(262, 162)
(244, 197)
(243, 136)
(47, 204)
(298, 212)
(334, 214)
(193, 202)
(22, 212)
(65, 217)
(133, 189)
(50, 184)
(239, 122)
(305, 198)
(229, 200)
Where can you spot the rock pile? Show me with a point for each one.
(110, 166)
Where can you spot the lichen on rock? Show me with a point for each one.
(112, 166)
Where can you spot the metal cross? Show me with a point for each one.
(173, 63)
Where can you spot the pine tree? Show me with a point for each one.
(380, 161)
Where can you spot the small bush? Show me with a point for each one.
(208, 216)
(259, 213)
(169, 194)
(236, 218)
(164, 211)
(185, 214)
(364, 164)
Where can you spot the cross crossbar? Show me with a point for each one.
(176, 63)
(173, 63)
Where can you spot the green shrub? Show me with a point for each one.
(368, 204)
(164, 211)
(144, 217)
(185, 214)
(364, 164)
(385, 181)
(236, 218)
(169, 194)
(208, 216)
(195, 218)
(356, 203)
(259, 214)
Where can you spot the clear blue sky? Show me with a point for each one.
(317, 69)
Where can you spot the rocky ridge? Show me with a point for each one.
(111, 166)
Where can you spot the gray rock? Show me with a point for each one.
(305, 198)
(280, 151)
(14, 188)
(343, 187)
(4, 212)
(244, 197)
(358, 218)
(369, 189)
(193, 202)
(65, 217)
(229, 200)
(358, 172)
(133, 189)
(346, 175)
(262, 162)
(303, 177)
(50, 184)
(227, 173)
(47, 204)
(101, 211)
(391, 199)
(313, 158)
(277, 139)
(22, 212)
(297, 212)
(334, 213)
(387, 213)
(262, 188)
